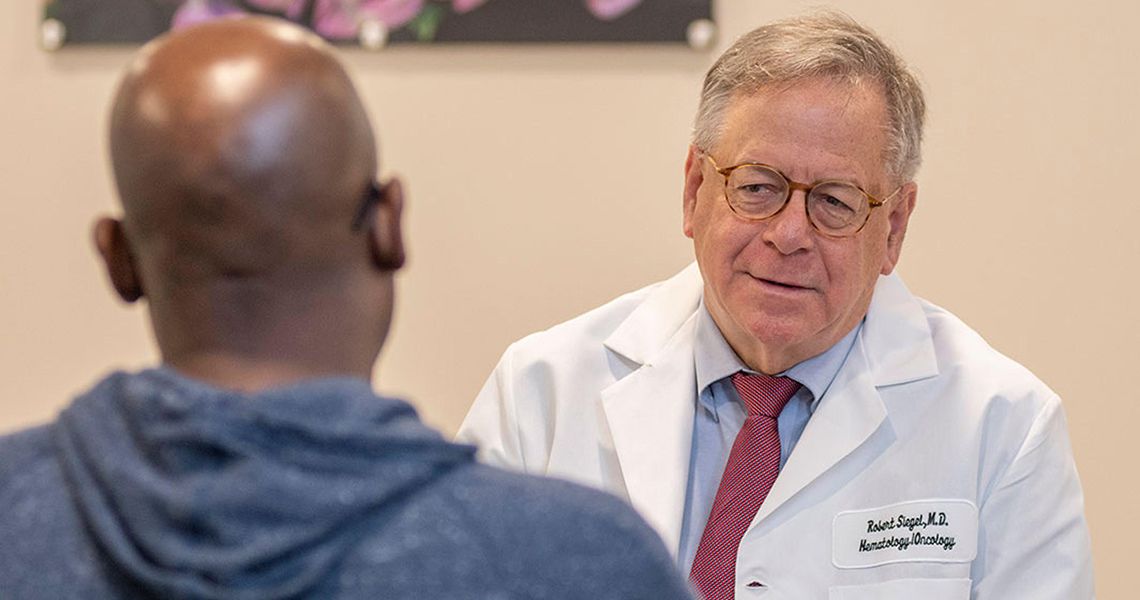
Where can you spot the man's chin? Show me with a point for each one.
(777, 337)
(784, 334)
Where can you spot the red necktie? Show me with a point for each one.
(752, 467)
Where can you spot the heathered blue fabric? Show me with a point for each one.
(152, 485)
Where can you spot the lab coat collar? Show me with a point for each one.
(650, 411)
(895, 335)
(652, 324)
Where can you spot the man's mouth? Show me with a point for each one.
(782, 284)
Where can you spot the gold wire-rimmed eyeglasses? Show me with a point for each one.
(757, 192)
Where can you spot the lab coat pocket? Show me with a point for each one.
(905, 589)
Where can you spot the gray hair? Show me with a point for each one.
(823, 44)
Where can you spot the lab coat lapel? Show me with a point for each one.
(895, 346)
(650, 416)
(841, 424)
(650, 411)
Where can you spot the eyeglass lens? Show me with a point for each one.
(759, 192)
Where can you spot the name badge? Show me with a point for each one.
(932, 530)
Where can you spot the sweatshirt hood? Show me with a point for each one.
(193, 491)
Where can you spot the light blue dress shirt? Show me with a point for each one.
(720, 414)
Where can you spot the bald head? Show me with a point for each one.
(239, 148)
(243, 158)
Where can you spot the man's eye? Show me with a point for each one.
(835, 203)
(759, 189)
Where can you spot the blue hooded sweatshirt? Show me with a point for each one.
(152, 485)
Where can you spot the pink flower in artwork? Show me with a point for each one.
(608, 10)
(465, 6)
(340, 19)
(333, 19)
(198, 11)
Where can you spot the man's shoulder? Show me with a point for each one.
(909, 338)
(557, 529)
(28, 456)
(1003, 397)
(482, 532)
(33, 488)
(44, 553)
(965, 353)
(546, 505)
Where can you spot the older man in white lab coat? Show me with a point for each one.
(793, 421)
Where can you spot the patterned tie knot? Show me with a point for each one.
(763, 394)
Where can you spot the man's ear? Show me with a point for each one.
(115, 250)
(694, 177)
(386, 235)
(897, 219)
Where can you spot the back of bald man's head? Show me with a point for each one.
(241, 151)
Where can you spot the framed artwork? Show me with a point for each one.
(377, 23)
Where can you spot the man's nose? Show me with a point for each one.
(790, 230)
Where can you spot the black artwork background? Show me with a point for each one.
(528, 21)
(112, 21)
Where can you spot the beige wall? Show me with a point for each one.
(545, 180)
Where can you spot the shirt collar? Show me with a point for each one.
(715, 360)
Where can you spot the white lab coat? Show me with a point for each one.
(923, 419)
